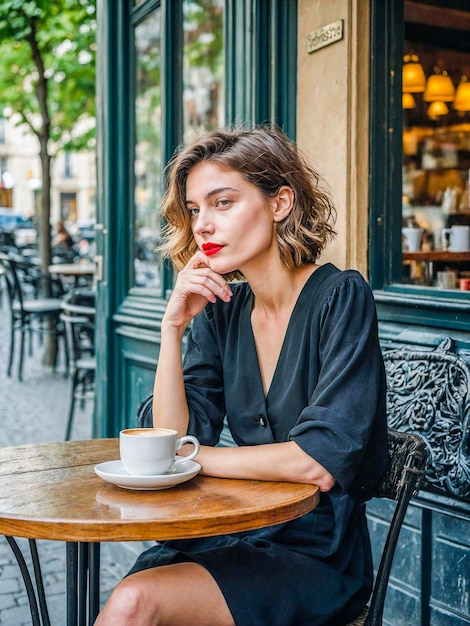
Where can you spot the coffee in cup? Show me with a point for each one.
(151, 451)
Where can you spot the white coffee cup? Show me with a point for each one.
(459, 238)
(151, 451)
(412, 238)
(446, 279)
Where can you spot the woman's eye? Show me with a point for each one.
(222, 203)
(193, 211)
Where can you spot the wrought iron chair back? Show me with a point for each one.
(402, 479)
(428, 396)
(79, 322)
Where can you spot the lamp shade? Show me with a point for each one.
(439, 88)
(437, 109)
(462, 95)
(414, 78)
(408, 101)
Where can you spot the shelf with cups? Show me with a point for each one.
(445, 266)
(432, 261)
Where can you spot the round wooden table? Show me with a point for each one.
(51, 491)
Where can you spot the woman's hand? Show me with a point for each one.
(195, 286)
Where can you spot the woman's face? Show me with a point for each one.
(232, 222)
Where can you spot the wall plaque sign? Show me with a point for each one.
(325, 35)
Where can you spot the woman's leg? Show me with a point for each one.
(169, 595)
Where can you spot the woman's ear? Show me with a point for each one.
(283, 203)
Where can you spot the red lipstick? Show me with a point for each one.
(211, 248)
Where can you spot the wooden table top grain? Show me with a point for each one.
(51, 491)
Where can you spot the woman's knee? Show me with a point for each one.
(124, 603)
(182, 593)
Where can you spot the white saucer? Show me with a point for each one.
(113, 472)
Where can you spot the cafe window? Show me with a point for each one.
(147, 156)
(203, 64)
(68, 165)
(202, 94)
(436, 145)
(68, 207)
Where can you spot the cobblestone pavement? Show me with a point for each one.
(32, 411)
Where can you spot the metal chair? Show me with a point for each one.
(29, 313)
(403, 477)
(80, 340)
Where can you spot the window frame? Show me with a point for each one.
(261, 81)
(396, 301)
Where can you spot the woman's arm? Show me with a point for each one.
(274, 461)
(169, 407)
(196, 285)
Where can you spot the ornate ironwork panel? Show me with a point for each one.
(429, 393)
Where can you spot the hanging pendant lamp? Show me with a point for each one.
(408, 101)
(462, 95)
(414, 78)
(437, 109)
(439, 88)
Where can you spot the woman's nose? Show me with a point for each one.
(204, 222)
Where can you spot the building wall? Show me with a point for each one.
(21, 149)
(332, 119)
(428, 585)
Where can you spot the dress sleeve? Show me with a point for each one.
(344, 425)
(203, 380)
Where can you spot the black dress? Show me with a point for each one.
(327, 395)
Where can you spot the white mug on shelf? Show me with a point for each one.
(412, 238)
(458, 237)
(446, 279)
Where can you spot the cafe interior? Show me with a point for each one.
(436, 149)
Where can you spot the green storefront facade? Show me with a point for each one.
(157, 83)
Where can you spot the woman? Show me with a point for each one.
(289, 353)
(62, 238)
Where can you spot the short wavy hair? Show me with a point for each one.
(268, 159)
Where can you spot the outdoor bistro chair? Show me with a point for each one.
(79, 322)
(29, 312)
(402, 479)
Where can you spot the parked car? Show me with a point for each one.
(21, 227)
(10, 221)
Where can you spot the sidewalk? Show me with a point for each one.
(32, 411)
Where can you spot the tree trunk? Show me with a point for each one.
(51, 348)
(50, 354)
(45, 216)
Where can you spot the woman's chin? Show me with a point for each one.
(221, 267)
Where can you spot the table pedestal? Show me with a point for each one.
(83, 582)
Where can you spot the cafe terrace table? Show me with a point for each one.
(51, 491)
(73, 269)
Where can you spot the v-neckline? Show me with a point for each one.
(286, 334)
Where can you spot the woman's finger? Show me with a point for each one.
(203, 282)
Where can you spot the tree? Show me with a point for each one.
(47, 81)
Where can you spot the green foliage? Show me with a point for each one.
(204, 34)
(47, 74)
